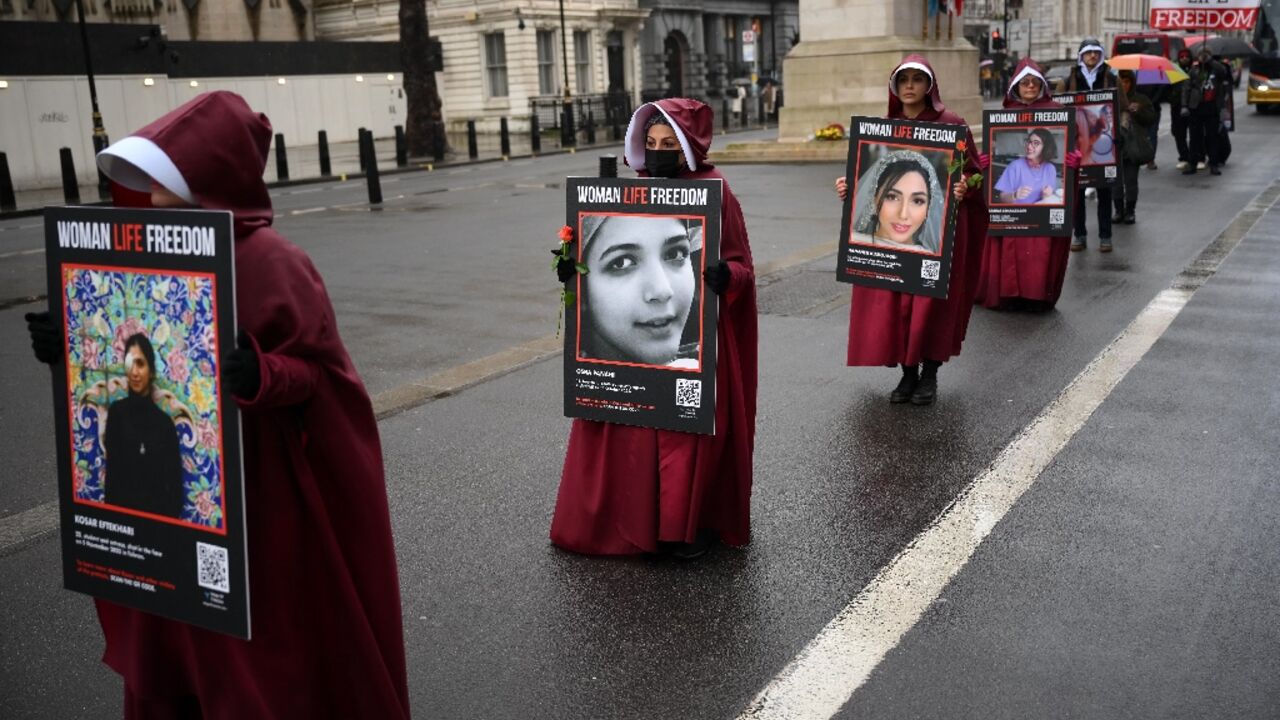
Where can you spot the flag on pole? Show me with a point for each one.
(955, 7)
(933, 7)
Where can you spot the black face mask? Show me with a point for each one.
(662, 163)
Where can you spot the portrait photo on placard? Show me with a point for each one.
(142, 379)
(1027, 165)
(1095, 133)
(639, 303)
(899, 199)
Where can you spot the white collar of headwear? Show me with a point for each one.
(135, 162)
(1028, 70)
(634, 147)
(893, 79)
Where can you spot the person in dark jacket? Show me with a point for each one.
(1178, 123)
(1204, 96)
(1137, 114)
(144, 465)
(1091, 74)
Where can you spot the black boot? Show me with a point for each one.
(1118, 218)
(906, 386)
(927, 388)
(1129, 217)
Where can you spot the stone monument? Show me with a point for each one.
(841, 68)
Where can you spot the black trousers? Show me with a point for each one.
(1178, 128)
(1104, 212)
(1125, 191)
(1204, 132)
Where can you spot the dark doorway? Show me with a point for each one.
(674, 52)
(617, 68)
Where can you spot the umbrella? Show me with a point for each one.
(986, 62)
(1230, 47)
(1151, 69)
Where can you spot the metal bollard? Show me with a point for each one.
(282, 158)
(535, 133)
(371, 167)
(438, 144)
(100, 143)
(615, 125)
(70, 186)
(760, 110)
(746, 116)
(608, 166)
(724, 116)
(402, 149)
(568, 134)
(591, 127)
(326, 169)
(472, 151)
(360, 145)
(8, 201)
(505, 136)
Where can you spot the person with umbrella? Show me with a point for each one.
(1204, 97)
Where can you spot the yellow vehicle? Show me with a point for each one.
(1264, 83)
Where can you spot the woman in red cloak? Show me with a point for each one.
(893, 328)
(1025, 272)
(627, 490)
(325, 597)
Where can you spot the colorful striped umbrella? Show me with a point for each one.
(1150, 69)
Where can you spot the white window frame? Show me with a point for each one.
(495, 69)
(582, 75)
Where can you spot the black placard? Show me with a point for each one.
(640, 341)
(151, 495)
(897, 228)
(1095, 134)
(1026, 147)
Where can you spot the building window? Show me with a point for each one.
(582, 59)
(495, 63)
(547, 63)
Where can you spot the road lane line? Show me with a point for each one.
(17, 253)
(308, 211)
(818, 682)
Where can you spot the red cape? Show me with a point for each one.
(893, 328)
(324, 594)
(625, 488)
(1031, 268)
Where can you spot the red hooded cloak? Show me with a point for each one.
(894, 328)
(1031, 268)
(324, 594)
(625, 488)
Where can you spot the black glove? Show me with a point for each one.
(565, 267)
(46, 337)
(240, 373)
(717, 277)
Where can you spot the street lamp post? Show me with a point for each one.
(568, 135)
(99, 133)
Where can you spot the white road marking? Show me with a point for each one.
(308, 210)
(16, 253)
(305, 191)
(826, 673)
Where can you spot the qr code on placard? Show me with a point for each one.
(929, 269)
(211, 567)
(1109, 172)
(1057, 216)
(689, 393)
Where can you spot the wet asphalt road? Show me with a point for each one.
(1065, 610)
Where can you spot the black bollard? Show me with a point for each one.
(724, 116)
(438, 144)
(609, 166)
(326, 169)
(371, 168)
(402, 149)
(535, 133)
(616, 127)
(100, 143)
(746, 116)
(282, 158)
(760, 110)
(505, 136)
(8, 201)
(472, 151)
(591, 127)
(568, 134)
(360, 146)
(70, 186)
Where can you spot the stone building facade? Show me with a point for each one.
(1052, 29)
(181, 19)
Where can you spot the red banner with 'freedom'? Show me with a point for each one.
(1204, 14)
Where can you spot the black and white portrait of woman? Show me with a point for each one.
(641, 289)
(899, 202)
(143, 461)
